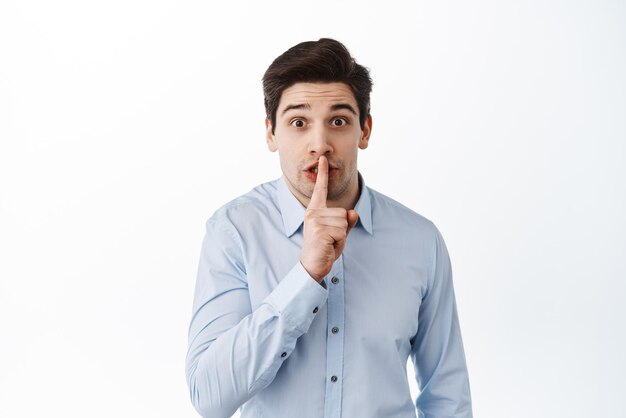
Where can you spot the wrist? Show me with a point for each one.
(317, 277)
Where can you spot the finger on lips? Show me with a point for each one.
(320, 191)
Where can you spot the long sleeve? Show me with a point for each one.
(437, 349)
(234, 352)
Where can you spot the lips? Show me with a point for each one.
(311, 171)
(312, 168)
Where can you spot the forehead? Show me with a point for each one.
(317, 94)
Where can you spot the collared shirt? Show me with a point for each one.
(267, 338)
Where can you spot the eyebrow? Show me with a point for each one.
(345, 106)
(296, 107)
(335, 107)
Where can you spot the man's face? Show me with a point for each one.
(314, 119)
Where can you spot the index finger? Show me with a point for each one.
(320, 191)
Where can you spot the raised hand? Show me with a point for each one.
(325, 229)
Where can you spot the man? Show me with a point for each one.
(313, 290)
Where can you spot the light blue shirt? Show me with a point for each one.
(268, 338)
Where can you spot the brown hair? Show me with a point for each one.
(327, 61)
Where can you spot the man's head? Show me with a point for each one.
(323, 61)
(317, 103)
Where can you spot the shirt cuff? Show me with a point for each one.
(298, 298)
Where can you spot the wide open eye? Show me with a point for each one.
(339, 122)
(298, 123)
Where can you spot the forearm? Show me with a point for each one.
(442, 374)
(437, 351)
(228, 363)
(225, 373)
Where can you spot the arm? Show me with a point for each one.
(235, 352)
(437, 349)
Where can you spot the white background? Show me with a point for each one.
(125, 124)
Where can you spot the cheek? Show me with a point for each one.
(288, 160)
(290, 155)
(350, 152)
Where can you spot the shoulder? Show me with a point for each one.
(389, 211)
(412, 230)
(260, 202)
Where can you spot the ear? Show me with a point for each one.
(269, 136)
(366, 132)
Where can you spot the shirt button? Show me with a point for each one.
(335, 330)
(284, 355)
(334, 280)
(333, 379)
(315, 310)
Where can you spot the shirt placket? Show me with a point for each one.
(335, 340)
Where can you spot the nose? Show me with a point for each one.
(319, 142)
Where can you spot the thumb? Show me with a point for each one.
(353, 217)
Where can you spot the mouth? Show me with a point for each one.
(313, 167)
(311, 171)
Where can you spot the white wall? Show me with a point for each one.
(125, 124)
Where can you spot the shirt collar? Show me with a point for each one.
(292, 210)
(364, 207)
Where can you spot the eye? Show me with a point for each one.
(339, 122)
(298, 123)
